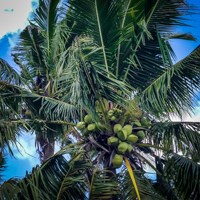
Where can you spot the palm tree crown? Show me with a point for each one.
(100, 75)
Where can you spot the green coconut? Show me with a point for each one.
(137, 123)
(132, 138)
(130, 148)
(117, 128)
(113, 118)
(117, 110)
(88, 119)
(141, 134)
(117, 161)
(91, 127)
(145, 122)
(122, 135)
(98, 107)
(128, 129)
(114, 141)
(110, 113)
(122, 147)
(105, 104)
(80, 125)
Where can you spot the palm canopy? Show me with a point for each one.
(116, 46)
(76, 55)
(72, 177)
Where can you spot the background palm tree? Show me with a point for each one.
(117, 54)
(37, 54)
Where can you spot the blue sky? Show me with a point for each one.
(25, 157)
(13, 18)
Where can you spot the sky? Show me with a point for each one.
(25, 157)
(13, 19)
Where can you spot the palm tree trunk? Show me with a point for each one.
(48, 150)
(46, 147)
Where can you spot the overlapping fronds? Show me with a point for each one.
(87, 50)
(8, 114)
(184, 174)
(28, 53)
(103, 185)
(2, 165)
(57, 178)
(144, 185)
(46, 17)
(177, 136)
(173, 90)
(7, 73)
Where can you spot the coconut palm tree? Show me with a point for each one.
(108, 65)
(37, 54)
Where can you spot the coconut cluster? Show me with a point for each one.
(123, 140)
(88, 125)
(120, 131)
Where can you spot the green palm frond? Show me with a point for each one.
(9, 108)
(41, 105)
(46, 17)
(57, 178)
(145, 187)
(184, 175)
(7, 73)
(177, 136)
(98, 22)
(28, 53)
(49, 108)
(173, 89)
(183, 36)
(82, 80)
(9, 132)
(103, 185)
(2, 165)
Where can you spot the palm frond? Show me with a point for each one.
(9, 107)
(7, 73)
(145, 187)
(183, 36)
(173, 89)
(184, 175)
(50, 108)
(103, 185)
(177, 136)
(28, 53)
(2, 165)
(46, 17)
(82, 80)
(57, 178)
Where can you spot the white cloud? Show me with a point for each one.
(193, 117)
(26, 149)
(13, 15)
(12, 39)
